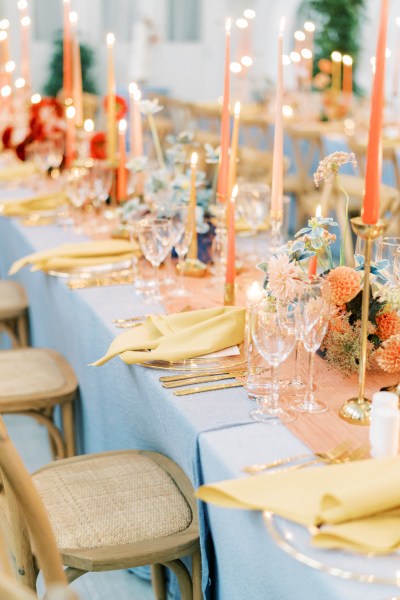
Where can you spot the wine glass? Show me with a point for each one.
(273, 333)
(99, 181)
(386, 250)
(396, 267)
(155, 242)
(181, 242)
(254, 200)
(313, 313)
(77, 191)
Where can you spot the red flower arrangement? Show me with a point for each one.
(98, 146)
(121, 107)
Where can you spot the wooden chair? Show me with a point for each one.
(109, 511)
(32, 382)
(19, 496)
(14, 312)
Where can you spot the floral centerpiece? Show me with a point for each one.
(286, 270)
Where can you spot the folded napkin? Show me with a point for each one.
(16, 171)
(358, 503)
(19, 208)
(179, 336)
(81, 254)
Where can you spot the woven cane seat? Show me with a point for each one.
(13, 300)
(107, 500)
(28, 371)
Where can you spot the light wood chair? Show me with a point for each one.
(32, 382)
(109, 511)
(14, 312)
(18, 566)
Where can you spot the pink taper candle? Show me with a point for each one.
(231, 249)
(223, 172)
(76, 69)
(373, 171)
(121, 174)
(135, 122)
(277, 165)
(396, 70)
(25, 48)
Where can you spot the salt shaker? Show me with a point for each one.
(385, 425)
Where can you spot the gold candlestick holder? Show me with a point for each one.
(229, 294)
(357, 410)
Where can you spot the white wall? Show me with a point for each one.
(194, 71)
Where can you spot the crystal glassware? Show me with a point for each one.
(386, 250)
(313, 313)
(77, 192)
(99, 181)
(254, 203)
(396, 267)
(274, 336)
(181, 242)
(155, 242)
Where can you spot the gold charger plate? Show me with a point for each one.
(199, 364)
(370, 568)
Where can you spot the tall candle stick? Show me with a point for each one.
(336, 71)
(135, 124)
(191, 222)
(222, 187)
(396, 70)
(312, 265)
(121, 175)
(370, 210)
(309, 28)
(70, 113)
(76, 69)
(347, 75)
(111, 108)
(234, 149)
(277, 165)
(25, 49)
(231, 246)
(4, 56)
(67, 52)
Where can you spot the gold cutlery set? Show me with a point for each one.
(342, 453)
(119, 278)
(175, 381)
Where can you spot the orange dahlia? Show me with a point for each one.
(388, 325)
(388, 355)
(344, 283)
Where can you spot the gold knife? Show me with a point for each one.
(202, 379)
(233, 372)
(208, 388)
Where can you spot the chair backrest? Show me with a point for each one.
(24, 523)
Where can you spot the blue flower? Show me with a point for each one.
(376, 268)
(315, 230)
(297, 251)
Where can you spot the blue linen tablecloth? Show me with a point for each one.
(210, 435)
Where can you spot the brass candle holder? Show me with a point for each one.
(229, 294)
(357, 410)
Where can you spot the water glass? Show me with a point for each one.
(155, 242)
(386, 250)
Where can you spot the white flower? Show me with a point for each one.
(283, 277)
(389, 294)
(331, 164)
(149, 107)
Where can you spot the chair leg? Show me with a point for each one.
(67, 413)
(54, 434)
(196, 576)
(72, 573)
(158, 582)
(22, 329)
(183, 576)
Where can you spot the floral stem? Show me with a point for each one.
(156, 141)
(344, 238)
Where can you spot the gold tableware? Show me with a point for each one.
(334, 452)
(202, 379)
(207, 388)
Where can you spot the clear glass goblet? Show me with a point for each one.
(274, 337)
(396, 267)
(254, 202)
(155, 242)
(386, 250)
(313, 313)
(181, 242)
(77, 192)
(99, 181)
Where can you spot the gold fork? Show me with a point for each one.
(356, 454)
(330, 454)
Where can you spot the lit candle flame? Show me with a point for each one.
(73, 17)
(318, 211)
(132, 88)
(236, 109)
(228, 25)
(122, 126)
(309, 26)
(398, 21)
(70, 113)
(3, 35)
(300, 36)
(4, 24)
(25, 21)
(88, 125)
(193, 160)
(249, 13)
(347, 60)
(242, 23)
(10, 66)
(282, 25)
(36, 98)
(246, 61)
(234, 192)
(22, 5)
(336, 56)
(20, 83)
(110, 40)
(6, 91)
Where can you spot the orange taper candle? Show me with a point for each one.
(76, 70)
(231, 247)
(347, 75)
(234, 149)
(67, 52)
(70, 145)
(223, 171)
(121, 174)
(373, 172)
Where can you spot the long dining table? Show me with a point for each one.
(210, 435)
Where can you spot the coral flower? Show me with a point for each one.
(388, 325)
(344, 283)
(388, 355)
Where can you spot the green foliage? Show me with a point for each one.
(355, 308)
(55, 78)
(338, 26)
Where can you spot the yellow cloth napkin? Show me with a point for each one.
(179, 336)
(16, 171)
(19, 208)
(81, 254)
(357, 503)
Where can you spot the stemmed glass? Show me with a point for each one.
(273, 333)
(386, 250)
(254, 200)
(396, 267)
(181, 243)
(77, 191)
(313, 313)
(99, 181)
(155, 242)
